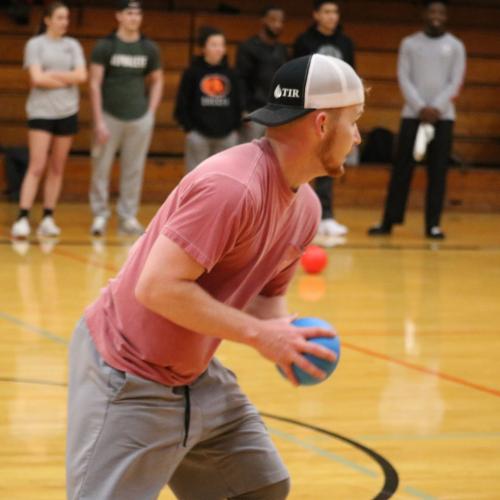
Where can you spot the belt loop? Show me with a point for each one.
(187, 414)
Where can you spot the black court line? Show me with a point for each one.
(391, 477)
(71, 243)
(433, 247)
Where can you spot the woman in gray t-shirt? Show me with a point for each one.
(56, 66)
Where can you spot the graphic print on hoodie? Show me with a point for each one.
(209, 99)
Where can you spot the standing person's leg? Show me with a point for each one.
(402, 173)
(103, 156)
(125, 433)
(222, 143)
(250, 131)
(197, 149)
(39, 143)
(61, 146)
(437, 169)
(401, 176)
(323, 187)
(328, 225)
(133, 153)
(234, 456)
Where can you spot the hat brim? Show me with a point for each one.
(272, 115)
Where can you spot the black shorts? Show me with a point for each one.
(56, 126)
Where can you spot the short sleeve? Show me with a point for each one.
(154, 57)
(211, 215)
(78, 57)
(101, 53)
(32, 53)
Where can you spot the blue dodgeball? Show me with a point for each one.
(330, 343)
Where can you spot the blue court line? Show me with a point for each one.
(324, 453)
(418, 494)
(341, 460)
(34, 329)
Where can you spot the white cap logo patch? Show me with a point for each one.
(282, 92)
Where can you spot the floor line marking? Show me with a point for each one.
(32, 328)
(369, 352)
(423, 369)
(70, 255)
(341, 460)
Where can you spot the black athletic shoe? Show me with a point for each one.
(380, 230)
(435, 233)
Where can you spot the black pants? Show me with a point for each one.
(324, 189)
(438, 154)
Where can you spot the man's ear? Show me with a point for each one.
(320, 124)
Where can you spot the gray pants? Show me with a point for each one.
(128, 436)
(132, 138)
(199, 147)
(250, 131)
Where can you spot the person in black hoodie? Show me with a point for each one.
(326, 37)
(257, 60)
(208, 105)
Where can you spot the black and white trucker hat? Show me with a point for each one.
(306, 84)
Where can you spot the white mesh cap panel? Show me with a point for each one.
(332, 83)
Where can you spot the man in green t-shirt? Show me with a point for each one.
(123, 108)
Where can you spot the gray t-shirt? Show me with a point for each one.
(430, 73)
(64, 54)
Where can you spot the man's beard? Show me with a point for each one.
(270, 33)
(324, 156)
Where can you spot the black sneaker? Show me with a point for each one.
(435, 233)
(380, 230)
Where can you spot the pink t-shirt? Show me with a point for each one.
(237, 217)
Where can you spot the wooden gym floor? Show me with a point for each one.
(413, 409)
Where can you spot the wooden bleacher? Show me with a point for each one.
(469, 190)
(377, 28)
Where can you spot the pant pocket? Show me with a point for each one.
(116, 381)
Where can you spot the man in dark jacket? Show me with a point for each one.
(257, 60)
(326, 37)
(208, 105)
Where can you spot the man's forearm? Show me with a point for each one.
(188, 305)
(155, 93)
(96, 102)
(267, 307)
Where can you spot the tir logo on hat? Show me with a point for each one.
(284, 92)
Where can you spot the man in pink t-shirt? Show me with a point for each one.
(149, 405)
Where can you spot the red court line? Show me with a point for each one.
(422, 369)
(363, 350)
(84, 260)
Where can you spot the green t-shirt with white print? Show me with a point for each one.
(126, 64)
